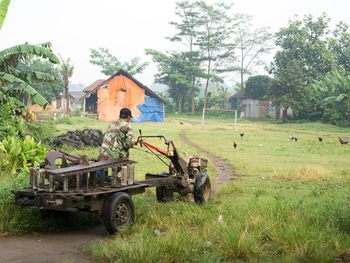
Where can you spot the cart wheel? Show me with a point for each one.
(202, 188)
(118, 212)
(163, 193)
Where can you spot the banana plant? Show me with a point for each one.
(15, 82)
(3, 10)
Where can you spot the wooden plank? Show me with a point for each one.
(81, 168)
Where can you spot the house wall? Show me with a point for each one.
(119, 93)
(254, 108)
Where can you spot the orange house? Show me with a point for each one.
(105, 98)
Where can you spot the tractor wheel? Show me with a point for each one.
(163, 193)
(202, 188)
(118, 212)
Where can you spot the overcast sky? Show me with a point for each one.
(128, 27)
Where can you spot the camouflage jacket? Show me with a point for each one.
(117, 140)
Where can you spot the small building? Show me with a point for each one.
(105, 98)
(59, 102)
(255, 109)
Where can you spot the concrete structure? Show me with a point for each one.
(256, 109)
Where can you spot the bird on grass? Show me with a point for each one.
(181, 122)
(320, 139)
(292, 138)
(342, 141)
(234, 145)
(242, 134)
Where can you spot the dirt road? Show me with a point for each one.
(47, 248)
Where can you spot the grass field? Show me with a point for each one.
(291, 203)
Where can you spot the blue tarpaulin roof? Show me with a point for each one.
(152, 110)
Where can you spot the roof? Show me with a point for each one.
(93, 85)
(237, 95)
(148, 91)
(76, 94)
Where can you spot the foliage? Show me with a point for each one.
(48, 89)
(175, 71)
(250, 44)
(11, 125)
(40, 131)
(187, 33)
(3, 10)
(110, 64)
(257, 86)
(333, 93)
(289, 89)
(14, 83)
(19, 154)
(66, 71)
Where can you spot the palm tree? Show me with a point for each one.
(66, 71)
(16, 82)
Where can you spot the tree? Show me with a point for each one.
(187, 33)
(304, 41)
(110, 64)
(333, 93)
(48, 89)
(289, 89)
(175, 71)
(250, 45)
(212, 41)
(257, 86)
(304, 51)
(15, 82)
(66, 71)
(4, 4)
(339, 45)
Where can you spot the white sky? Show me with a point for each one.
(128, 27)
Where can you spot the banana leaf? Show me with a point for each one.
(3, 10)
(25, 87)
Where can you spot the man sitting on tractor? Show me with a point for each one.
(118, 138)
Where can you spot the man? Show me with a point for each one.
(118, 138)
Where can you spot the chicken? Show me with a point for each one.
(292, 138)
(342, 141)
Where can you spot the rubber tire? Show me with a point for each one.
(163, 193)
(110, 210)
(202, 188)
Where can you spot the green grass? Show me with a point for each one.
(290, 205)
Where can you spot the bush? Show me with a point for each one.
(16, 154)
(65, 120)
(11, 125)
(41, 131)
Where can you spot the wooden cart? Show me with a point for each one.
(105, 187)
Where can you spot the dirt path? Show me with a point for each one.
(225, 172)
(66, 246)
(48, 248)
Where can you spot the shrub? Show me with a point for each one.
(41, 131)
(16, 154)
(65, 120)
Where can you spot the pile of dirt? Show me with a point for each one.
(80, 138)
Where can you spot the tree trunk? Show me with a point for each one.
(66, 95)
(193, 109)
(205, 101)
